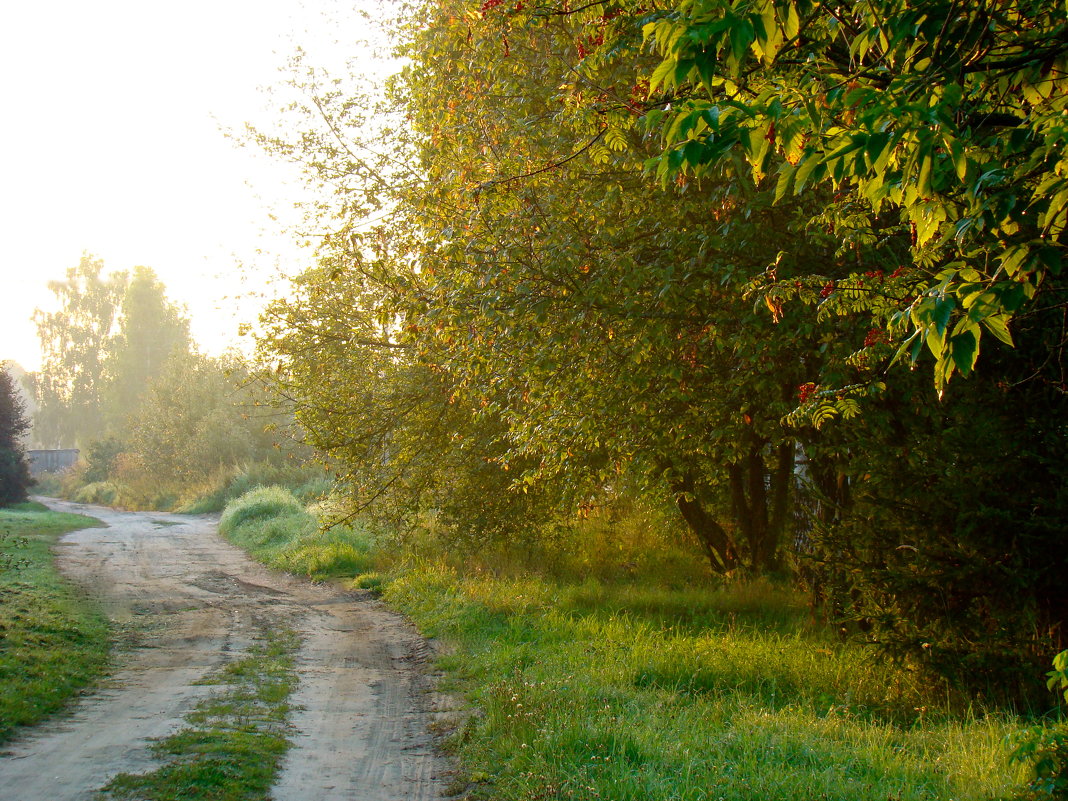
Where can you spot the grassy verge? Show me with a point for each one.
(274, 526)
(592, 692)
(631, 690)
(209, 493)
(233, 747)
(52, 642)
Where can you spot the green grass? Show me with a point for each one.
(631, 689)
(53, 642)
(595, 692)
(233, 747)
(273, 525)
(135, 489)
(306, 482)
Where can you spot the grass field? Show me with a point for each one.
(593, 691)
(53, 642)
(630, 690)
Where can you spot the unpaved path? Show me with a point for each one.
(193, 602)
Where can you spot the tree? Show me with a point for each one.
(404, 445)
(950, 117)
(197, 415)
(151, 330)
(941, 130)
(534, 302)
(942, 534)
(600, 317)
(76, 341)
(108, 340)
(15, 479)
(532, 276)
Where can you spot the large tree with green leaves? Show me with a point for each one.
(940, 129)
(529, 274)
(535, 303)
(199, 414)
(76, 341)
(151, 329)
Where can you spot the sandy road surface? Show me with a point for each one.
(364, 703)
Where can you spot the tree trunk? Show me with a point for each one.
(760, 518)
(782, 479)
(716, 542)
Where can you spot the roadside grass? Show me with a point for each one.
(274, 526)
(639, 690)
(233, 747)
(53, 641)
(593, 692)
(208, 494)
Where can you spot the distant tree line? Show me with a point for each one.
(122, 380)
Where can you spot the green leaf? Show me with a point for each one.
(998, 325)
(785, 178)
(964, 350)
(877, 144)
(664, 69)
(960, 160)
(1013, 258)
(805, 169)
(943, 310)
(793, 21)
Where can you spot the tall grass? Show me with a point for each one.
(648, 695)
(306, 482)
(208, 494)
(53, 641)
(275, 527)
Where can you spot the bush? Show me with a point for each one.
(1044, 750)
(100, 460)
(103, 493)
(307, 483)
(260, 504)
(947, 550)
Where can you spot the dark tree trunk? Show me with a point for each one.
(761, 516)
(782, 481)
(718, 545)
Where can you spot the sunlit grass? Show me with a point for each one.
(53, 641)
(713, 696)
(630, 689)
(273, 525)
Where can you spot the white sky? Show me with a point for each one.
(110, 143)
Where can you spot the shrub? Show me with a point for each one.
(260, 503)
(100, 459)
(102, 493)
(1044, 750)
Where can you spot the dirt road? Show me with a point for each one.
(193, 602)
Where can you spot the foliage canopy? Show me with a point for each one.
(508, 306)
(942, 119)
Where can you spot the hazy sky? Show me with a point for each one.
(110, 143)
